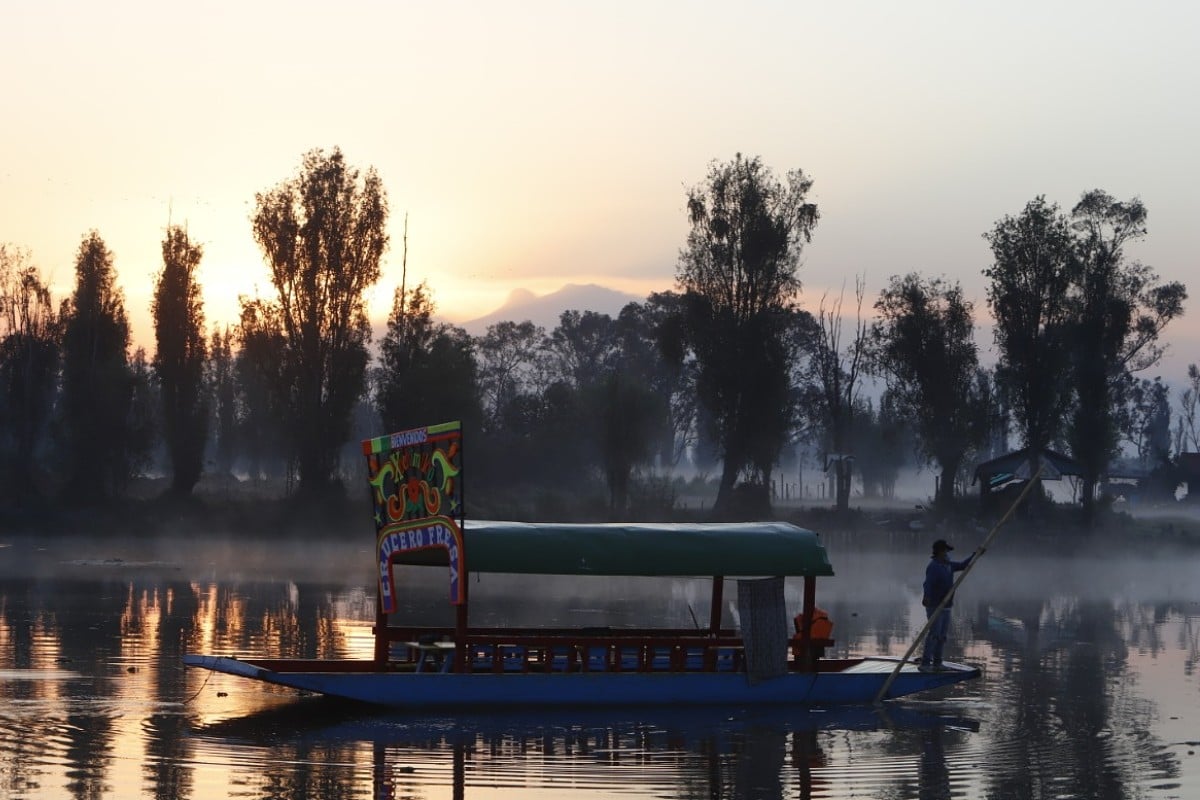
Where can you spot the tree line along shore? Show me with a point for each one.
(727, 379)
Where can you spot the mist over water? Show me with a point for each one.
(1088, 689)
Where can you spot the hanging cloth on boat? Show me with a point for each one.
(764, 628)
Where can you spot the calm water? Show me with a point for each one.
(1089, 687)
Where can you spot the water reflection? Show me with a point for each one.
(1089, 691)
(1070, 707)
(701, 753)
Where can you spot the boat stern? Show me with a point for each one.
(909, 678)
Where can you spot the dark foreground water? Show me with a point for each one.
(1089, 687)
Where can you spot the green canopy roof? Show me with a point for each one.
(735, 549)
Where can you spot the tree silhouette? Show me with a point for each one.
(427, 369)
(1031, 277)
(832, 384)
(1187, 429)
(616, 368)
(738, 275)
(1120, 310)
(143, 421)
(180, 358)
(1146, 420)
(924, 345)
(1074, 319)
(511, 359)
(652, 340)
(30, 346)
(323, 234)
(222, 388)
(583, 347)
(627, 412)
(882, 439)
(262, 375)
(97, 383)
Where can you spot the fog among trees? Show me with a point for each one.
(724, 398)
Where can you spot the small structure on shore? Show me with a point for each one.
(1189, 475)
(1002, 478)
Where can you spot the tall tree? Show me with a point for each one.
(923, 343)
(653, 346)
(641, 360)
(263, 377)
(30, 344)
(627, 412)
(180, 358)
(97, 383)
(995, 417)
(143, 421)
(222, 388)
(619, 374)
(832, 385)
(1120, 311)
(738, 275)
(1033, 270)
(584, 346)
(1146, 421)
(1187, 431)
(323, 234)
(511, 356)
(427, 369)
(882, 439)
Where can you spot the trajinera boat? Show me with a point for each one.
(416, 483)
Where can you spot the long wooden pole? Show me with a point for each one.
(979, 551)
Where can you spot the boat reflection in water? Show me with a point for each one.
(697, 752)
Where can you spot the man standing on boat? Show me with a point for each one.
(939, 582)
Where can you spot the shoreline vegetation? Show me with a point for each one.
(728, 374)
(233, 511)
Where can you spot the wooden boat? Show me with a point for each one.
(416, 480)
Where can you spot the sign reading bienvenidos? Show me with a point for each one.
(415, 477)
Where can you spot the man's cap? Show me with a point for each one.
(942, 544)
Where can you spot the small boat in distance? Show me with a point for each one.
(416, 482)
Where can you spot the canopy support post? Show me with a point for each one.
(460, 628)
(383, 641)
(810, 603)
(714, 610)
(714, 620)
(381, 636)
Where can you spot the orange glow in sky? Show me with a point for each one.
(539, 143)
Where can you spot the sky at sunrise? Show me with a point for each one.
(534, 144)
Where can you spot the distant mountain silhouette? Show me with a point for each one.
(545, 310)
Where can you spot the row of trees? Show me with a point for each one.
(1075, 321)
(729, 369)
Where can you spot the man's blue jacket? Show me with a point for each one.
(939, 580)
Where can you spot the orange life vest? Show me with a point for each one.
(822, 626)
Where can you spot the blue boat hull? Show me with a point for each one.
(449, 690)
